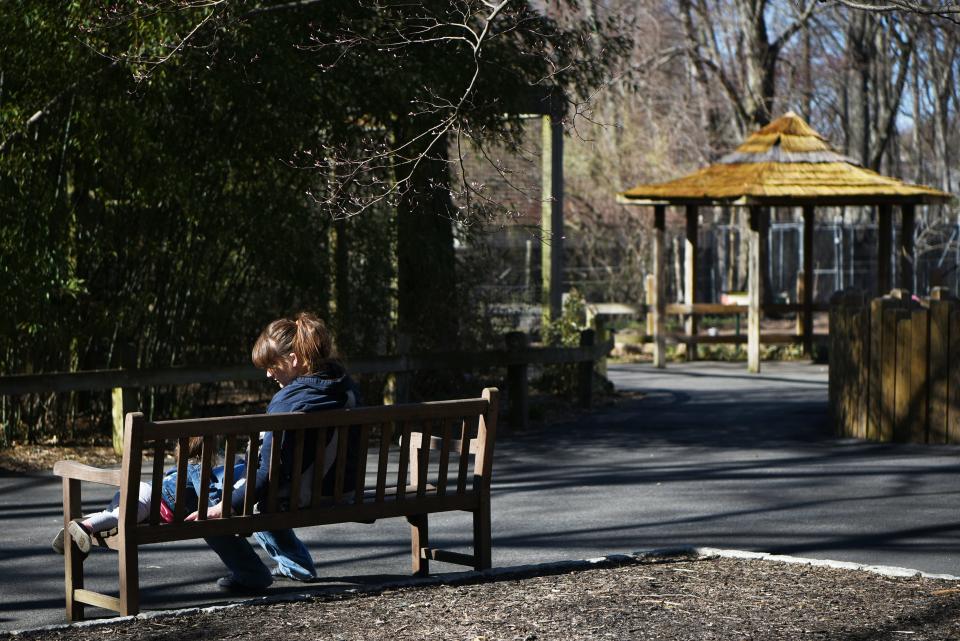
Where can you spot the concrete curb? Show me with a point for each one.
(516, 571)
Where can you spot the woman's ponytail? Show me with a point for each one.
(313, 342)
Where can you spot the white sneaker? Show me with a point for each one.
(79, 535)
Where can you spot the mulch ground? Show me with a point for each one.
(40, 458)
(670, 598)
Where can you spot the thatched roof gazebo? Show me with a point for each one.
(785, 164)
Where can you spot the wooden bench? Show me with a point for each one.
(395, 476)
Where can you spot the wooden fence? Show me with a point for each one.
(516, 358)
(895, 367)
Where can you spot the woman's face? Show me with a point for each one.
(286, 370)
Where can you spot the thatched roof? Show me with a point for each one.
(785, 163)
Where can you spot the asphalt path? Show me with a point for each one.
(705, 455)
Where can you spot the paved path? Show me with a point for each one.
(708, 456)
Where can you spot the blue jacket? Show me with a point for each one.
(330, 389)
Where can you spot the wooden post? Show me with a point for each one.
(551, 215)
(596, 322)
(123, 401)
(755, 283)
(907, 218)
(650, 297)
(884, 245)
(397, 388)
(659, 299)
(517, 386)
(806, 278)
(690, 277)
(585, 371)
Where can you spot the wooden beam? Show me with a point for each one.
(754, 287)
(807, 302)
(690, 275)
(659, 276)
(907, 221)
(551, 215)
(884, 245)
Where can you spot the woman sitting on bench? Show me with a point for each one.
(299, 354)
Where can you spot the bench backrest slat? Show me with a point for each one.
(386, 438)
(180, 505)
(341, 469)
(299, 438)
(444, 463)
(274, 471)
(464, 455)
(361, 464)
(249, 499)
(420, 473)
(206, 463)
(404, 461)
(159, 454)
(229, 460)
(320, 453)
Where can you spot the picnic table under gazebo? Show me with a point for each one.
(784, 164)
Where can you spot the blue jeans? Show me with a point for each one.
(168, 491)
(292, 557)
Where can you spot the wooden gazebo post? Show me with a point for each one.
(884, 247)
(754, 289)
(690, 277)
(659, 273)
(807, 302)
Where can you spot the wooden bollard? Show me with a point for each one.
(123, 402)
(585, 370)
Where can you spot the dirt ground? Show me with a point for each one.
(672, 598)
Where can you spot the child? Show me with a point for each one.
(81, 531)
(299, 354)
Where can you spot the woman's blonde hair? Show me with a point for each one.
(304, 335)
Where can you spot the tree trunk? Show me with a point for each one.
(426, 280)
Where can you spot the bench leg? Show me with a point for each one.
(72, 560)
(419, 539)
(129, 580)
(481, 537)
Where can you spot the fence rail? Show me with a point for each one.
(517, 357)
(895, 367)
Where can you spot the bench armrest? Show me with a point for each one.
(81, 472)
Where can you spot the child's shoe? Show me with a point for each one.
(79, 535)
(58, 541)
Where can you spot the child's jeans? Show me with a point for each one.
(192, 486)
